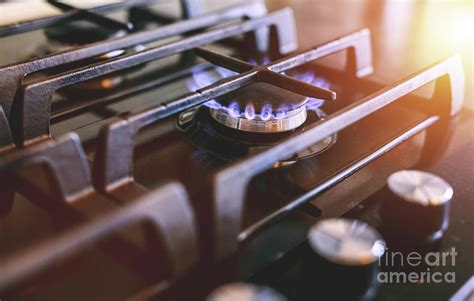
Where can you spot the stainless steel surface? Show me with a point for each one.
(260, 124)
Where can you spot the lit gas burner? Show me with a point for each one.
(260, 108)
(252, 119)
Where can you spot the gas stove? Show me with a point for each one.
(206, 157)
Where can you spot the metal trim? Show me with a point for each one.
(26, 26)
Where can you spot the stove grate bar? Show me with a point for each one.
(343, 174)
(223, 60)
(446, 101)
(164, 76)
(11, 75)
(34, 99)
(65, 159)
(109, 172)
(6, 140)
(359, 60)
(69, 14)
(93, 17)
(166, 208)
(231, 182)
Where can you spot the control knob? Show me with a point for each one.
(344, 259)
(418, 210)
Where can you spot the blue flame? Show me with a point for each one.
(249, 111)
(313, 104)
(266, 113)
(205, 78)
(234, 110)
(264, 61)
(202, 79)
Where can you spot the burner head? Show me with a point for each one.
(225, 144)
(260, 108)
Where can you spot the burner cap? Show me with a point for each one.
(260, 108)
(81, 32)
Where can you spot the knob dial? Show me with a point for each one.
(238, 291)
(418, 210)
(344, 253)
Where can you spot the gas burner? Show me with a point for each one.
(253, 118)
(224, 143)
(260, 108)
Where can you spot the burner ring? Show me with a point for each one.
(292, 120)
(201, 129)
(260, 108)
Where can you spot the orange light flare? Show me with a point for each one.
(445, 28)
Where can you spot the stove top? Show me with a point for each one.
(149, 156)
